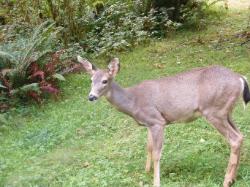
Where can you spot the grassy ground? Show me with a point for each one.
(73, 142)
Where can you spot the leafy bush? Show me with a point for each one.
(100, 27)
(195, 14)
(119, 27)
(116, 29)
(29, 66)
(173, 7)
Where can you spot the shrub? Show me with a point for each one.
(116, 29)
(120, 27)
(191, 13)
(173, 7)
(195, 14)
(29, 66)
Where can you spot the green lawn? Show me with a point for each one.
(73, 142)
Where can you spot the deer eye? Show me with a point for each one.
(104, 82)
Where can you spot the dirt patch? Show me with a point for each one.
(239, 4)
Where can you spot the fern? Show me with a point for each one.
(7, 55)
(39, 36)
(20, 53)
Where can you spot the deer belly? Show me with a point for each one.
(185, 117)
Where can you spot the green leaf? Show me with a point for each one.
(3, 120)
(29, 87)
(8, 56)
(26, 88)
(59, 77)
(2, 86)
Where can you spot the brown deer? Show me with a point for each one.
(210, 92)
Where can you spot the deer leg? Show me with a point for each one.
(230, 121)
(235, 142)
(157, 132)
(149, 152)
(235, 139)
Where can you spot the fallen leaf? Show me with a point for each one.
(86, 164)
(159, 66)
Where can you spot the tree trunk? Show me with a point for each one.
(52, 10)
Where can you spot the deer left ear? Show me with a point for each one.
(90, 68)
(114, 67)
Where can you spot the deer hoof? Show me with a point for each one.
(228, 183)
(147, 169)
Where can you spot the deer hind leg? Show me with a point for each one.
(157, 133)
(235, 152)
(149, 152)
(226, 127)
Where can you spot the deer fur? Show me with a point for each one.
(210, 92)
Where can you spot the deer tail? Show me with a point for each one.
(246, 92)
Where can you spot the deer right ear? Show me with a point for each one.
(90, 68)
(114, 67)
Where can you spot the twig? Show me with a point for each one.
(243, 43)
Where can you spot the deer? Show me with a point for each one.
(210, 92)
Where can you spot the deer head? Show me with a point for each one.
(101, 79)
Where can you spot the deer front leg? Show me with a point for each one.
(157, 132)
(149, 151)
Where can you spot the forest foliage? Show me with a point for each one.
(74, 142)
(40, 39)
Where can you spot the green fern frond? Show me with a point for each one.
(38, 37)
(7, 55)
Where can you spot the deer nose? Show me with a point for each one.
(92, 97)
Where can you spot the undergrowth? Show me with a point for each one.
(73, 142)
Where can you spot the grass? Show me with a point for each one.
(73, 142)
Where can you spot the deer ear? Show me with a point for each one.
(114, 67)
(90, 68)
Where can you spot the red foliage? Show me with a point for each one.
(5, 83)
(34, 95)
(33, 67)
(38, 75)
(50, 89)
(4, 107)
(43, 75)
(50, 68)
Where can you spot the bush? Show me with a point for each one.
(29, 66)
(191, 13)
(116, 29)
(195, 14)
(101, 29)
(119, 27)
(173, 7)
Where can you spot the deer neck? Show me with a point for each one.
(121, 98)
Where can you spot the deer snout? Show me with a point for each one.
(92, 97)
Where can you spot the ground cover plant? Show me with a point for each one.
(72, 142)
(22, 73)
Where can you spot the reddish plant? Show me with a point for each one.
(45, 76)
